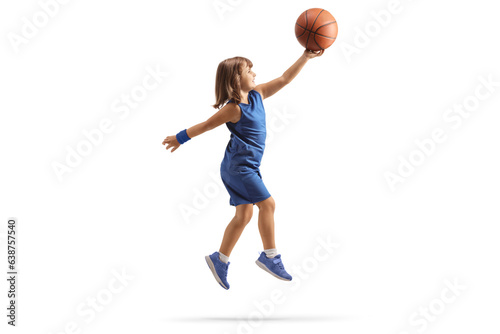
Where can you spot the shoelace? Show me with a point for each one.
(278, 262)
(224, 270)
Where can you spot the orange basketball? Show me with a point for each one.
(316, 29)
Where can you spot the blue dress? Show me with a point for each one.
(240, 167)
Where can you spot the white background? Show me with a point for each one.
(351, 118)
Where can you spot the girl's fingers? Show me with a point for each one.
(170, 143)
(167, 140)
(173, 146)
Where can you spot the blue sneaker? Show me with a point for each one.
(218, 268)
(274, 266)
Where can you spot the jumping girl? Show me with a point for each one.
(239, 101)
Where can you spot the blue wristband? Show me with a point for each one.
(182, 137)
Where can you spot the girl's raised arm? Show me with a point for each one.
(270, 88)
(230, 112)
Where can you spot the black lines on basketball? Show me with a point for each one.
(323, 29)
(307, 42)
(324, 25)
(316, 19)
(315, 32)
(302, 28)
(307, 25)
(319, 46)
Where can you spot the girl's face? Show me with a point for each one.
(247, 79)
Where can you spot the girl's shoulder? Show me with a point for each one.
(234, 109)
(258, 92)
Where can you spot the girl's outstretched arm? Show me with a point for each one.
(270, 88)
(230, 112)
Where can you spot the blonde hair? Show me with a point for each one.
(227, 80)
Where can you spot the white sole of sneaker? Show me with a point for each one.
(212, 269)
(263, 266)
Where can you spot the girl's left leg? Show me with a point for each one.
(269, 260)
(266, 222)
(235, 228)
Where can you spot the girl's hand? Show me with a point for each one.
(313, 54)
(172, 142)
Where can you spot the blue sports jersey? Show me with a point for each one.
(240, 167)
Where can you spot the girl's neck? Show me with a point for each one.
(244, 97)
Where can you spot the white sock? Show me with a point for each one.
(270, 253)
(223, 258)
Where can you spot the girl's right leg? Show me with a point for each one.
(235, 228)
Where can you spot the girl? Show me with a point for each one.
(239, 101)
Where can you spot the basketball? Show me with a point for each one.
(316, 29)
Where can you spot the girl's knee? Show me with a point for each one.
(267, 204)
(244, 213)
